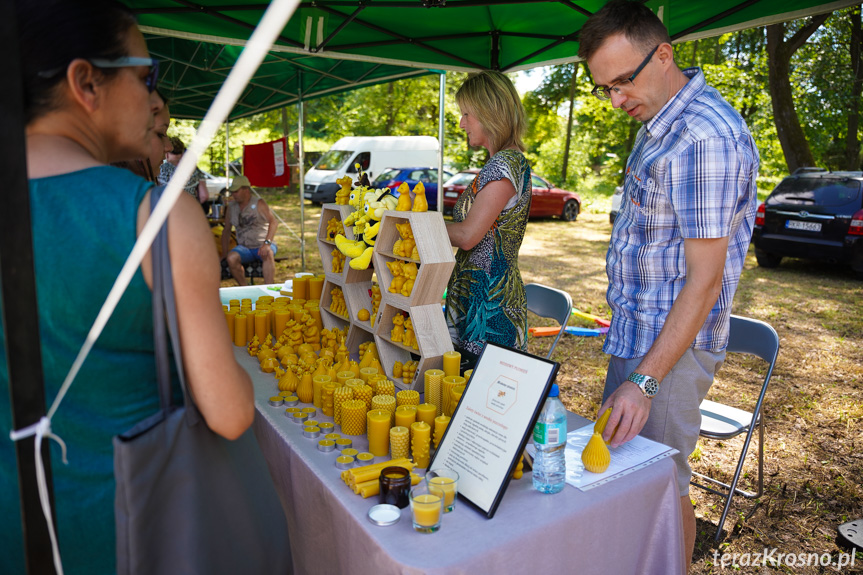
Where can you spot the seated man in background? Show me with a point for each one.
(256, 227)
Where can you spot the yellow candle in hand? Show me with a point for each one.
(426, 412)
(378, 425)
(451, 363)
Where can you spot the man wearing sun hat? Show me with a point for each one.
(256, 227)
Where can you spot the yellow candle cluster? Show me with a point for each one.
(433, 384)
(440, 423)
(353, 417)
(408, 397)
(447, 386)
(340, 395)
(365, 480)
(420, 443)
(399, 442)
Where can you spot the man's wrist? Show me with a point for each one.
(648, 385)
(268, 241)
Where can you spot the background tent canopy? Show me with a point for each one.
(458, 35)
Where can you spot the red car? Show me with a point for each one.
(547, 199)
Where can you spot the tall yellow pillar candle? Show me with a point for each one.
(340, 395)
(451, 363)
(281, 317)
(449, 382)
(378, 426)
(440, 423)
(399, 442)
(240, 330)
(407, 397)
(433, 382)
(250, 326)
(354, 417)
(406, 415)
(315, 312)
(420, 443)
(318, 382)
(426, 412)
(327, 398)
(229, 317)
(301, 287)
(261, 325)
(316, 286)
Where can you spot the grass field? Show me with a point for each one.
(813, 409)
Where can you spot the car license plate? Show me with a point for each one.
(805, 226)
(450, 195)
(308, 195)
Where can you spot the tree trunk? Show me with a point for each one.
(852, 144)
(391, 113)
(569, 122)
(694, 54)
(788, 129)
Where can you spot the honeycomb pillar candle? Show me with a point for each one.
(440, 423)
(354, 417)
(318, 382)
(451, 363)
(240, 330)
(433, 382)
(385, 387)
(406, 415)
(448, 384)
(316, 287)
(281, 317)
(327, 398)
(420, 443)
(378, 429)
(387, 402)
(426, 412)
(365, 393)
(229, 317)
(366, 372)
(399, 442)
(407, 397)
(340, 395)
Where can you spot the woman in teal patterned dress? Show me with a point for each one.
(485, 296)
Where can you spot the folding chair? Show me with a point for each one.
(720, 421)
(549, 302)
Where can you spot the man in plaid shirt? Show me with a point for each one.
(681, 236)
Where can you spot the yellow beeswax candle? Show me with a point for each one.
(315, 312)
(378, 425)
(250, 325)
(407, 397)
(344, 376)
(399, 442)
(301, 287)
(366, 372)
(467, 374)
(451, 363)
(433, 382)
(326, 427)
(455, 397)
(316, 286)
(445, 485)
(317, 389)
(229, 317)
(240, 330)
(426, 412)
(327, 398)
(420, 443)
(354, 417)
(233, 303)
(449, 382)
(340, 395)
(386, 402)
(385, 387)
(365, 393)
(440, 423)
(406, 415)
(281, 317)
(426, 509)
(333, 436)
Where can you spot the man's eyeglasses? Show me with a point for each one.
(604, 93)
(124, 62)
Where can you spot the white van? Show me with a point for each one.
(374, 154)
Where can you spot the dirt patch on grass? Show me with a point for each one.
(813, 410)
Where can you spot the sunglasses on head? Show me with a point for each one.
(124, 62)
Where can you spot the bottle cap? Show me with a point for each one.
(555, 391)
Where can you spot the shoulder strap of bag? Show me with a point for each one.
(165, 311)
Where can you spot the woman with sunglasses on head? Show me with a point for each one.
(89, 101)
(485, 295)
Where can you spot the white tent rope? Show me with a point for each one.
(271, 25)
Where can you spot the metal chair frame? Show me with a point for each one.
(551, 303)
(757, 338)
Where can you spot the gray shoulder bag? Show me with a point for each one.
(188, 500)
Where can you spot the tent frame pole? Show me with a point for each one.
(301, 186)
(440, 122)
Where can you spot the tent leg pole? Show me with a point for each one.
(440, 122)
(300, 122)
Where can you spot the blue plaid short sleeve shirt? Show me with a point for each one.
(691, 174)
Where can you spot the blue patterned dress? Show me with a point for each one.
(485, 296)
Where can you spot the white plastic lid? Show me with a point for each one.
(384, 514)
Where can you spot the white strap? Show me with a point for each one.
(271, 25)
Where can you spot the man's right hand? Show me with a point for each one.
(631, 409)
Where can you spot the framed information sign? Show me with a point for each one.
(493, 421)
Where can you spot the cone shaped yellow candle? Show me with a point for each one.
(596, 457)
(378, 429)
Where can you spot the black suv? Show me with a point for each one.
(813, 214)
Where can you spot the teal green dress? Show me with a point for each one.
(83, 229)
(485, 295)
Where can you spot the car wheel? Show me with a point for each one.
(766, 259)
(570, 211)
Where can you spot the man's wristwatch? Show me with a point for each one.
(268, 242)
(648, 385)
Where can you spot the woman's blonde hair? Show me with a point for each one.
(492, 99)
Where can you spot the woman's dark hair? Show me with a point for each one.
(179, 148)
(52, 33)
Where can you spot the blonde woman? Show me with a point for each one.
(485, 295)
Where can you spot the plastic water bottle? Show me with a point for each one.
(549, 436)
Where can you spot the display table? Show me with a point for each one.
(631, 525)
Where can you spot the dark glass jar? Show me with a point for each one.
(395, 485)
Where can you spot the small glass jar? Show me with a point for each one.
(395, 486)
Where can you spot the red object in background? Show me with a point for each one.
(266, 164)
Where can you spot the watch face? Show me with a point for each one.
(651, 387)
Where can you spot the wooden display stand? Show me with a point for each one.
(423, 305)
